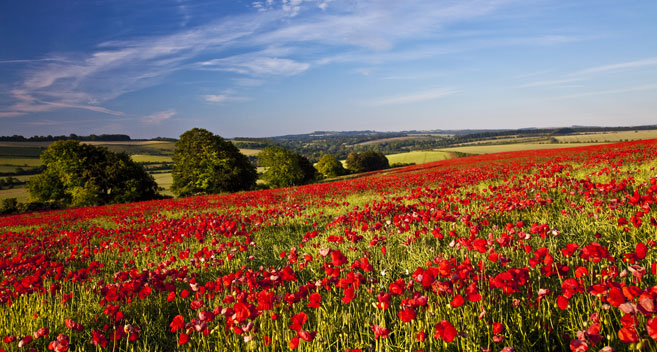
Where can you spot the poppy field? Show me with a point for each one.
(543, 250)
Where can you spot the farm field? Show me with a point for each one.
(514, 147)
(526, 251)
(418, 157)
(609, 137)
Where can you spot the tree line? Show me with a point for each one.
(72, 136)
(76, 174)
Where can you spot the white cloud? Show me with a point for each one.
(619, 66)
(555, 82)
(588, 73)
(225, 97)
(415, 97)
(119, 67)
(158, 117)
(612, 91)
(11, 113)
(255, 65)
(287, 38)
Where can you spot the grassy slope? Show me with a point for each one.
(418, 157)
(499, 148)
(609, 137)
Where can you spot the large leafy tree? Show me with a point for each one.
(205, 163)
(367, 161)
(285, 168)
(79, 174)
(329, 166)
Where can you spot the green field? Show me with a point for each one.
(19, 193)
(418, 157)
(164, 180)
(499, 148)
(609, 137)
(142, 158)
(250, 152)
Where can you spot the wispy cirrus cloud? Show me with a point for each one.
(158, 117)
(225, 97)
(638, 88)
(279, 38)
(618, 66)
(415, 97)
(592, 72)
(118, 67)
(257, 65)
(553, 82)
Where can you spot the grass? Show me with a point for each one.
(418, 157)
(20, 193)
(164, 180)
(609, 137)
(142, 158)
(20, 162)
(250, 152)
(500, 148)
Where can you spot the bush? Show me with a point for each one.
(329, 166)
(285, 168)
(205, 163)
(80, 175)
(9, 206)
(367, 161)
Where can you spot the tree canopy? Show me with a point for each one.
(367, 161)
(79, 175)
(285, 168)
(329, 166)
(205, 163)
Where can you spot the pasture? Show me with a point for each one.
(500, 148)
(418, 157)
(608, 137)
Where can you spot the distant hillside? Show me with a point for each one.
(340, 143)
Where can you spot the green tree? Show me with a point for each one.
(205, 163)
(285, 168)
(329, 166)
(367, 161)
(79, 175)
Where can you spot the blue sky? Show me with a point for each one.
(152, 68)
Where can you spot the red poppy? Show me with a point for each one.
(397, 287)
(615, 297)
(98, 339)
(294, 343)
(578, 345)
(349, 294)
(651, 325)
(380, 331)
(307, 336)
(242, 312)
(177, 323)
(628, 335)
(457, 301)
(407, 315)
(298, 320)
(337, 258)
(183, 339)
(445, 331)
(315, 300)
